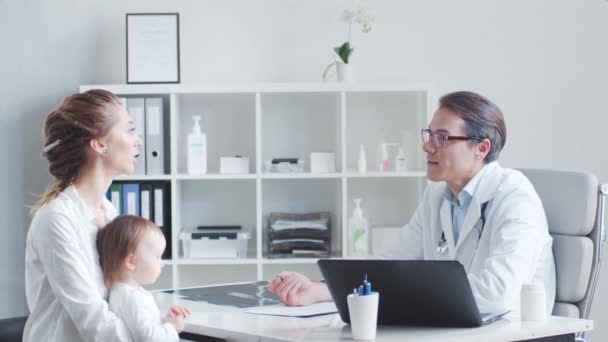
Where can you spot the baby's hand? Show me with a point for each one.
(178, 310)
(176, 321)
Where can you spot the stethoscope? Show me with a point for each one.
(442, 245)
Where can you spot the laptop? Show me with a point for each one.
(412, 292)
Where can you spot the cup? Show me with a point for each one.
(533, 302)
(363, 311)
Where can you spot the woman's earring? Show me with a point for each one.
(104, 152)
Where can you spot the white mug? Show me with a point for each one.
(363, 311)
(533, 304)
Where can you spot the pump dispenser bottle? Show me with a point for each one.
(383, 161)
(358, 234)
(197, 149)
(362, 164)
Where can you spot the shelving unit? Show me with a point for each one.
(270, 120)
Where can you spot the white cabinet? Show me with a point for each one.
(279, 120)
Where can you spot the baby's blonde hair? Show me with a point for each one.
(117, 240)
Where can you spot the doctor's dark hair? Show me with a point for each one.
(482, 119)
(119, 239)
(67, 132)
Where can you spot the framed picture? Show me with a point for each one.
(153, 48)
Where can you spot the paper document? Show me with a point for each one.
(295, 311)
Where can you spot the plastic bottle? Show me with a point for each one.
(383, 156)
(358, 232)
(197, 149)
(362, 166)
(400, 161)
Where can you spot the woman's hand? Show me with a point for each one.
(295, 289)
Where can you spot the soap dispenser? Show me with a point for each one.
(358, 234)
(197, 149)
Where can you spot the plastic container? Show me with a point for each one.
(533, 302)
(358, 232)
(363, 312)
(214, 244)
(197, 149)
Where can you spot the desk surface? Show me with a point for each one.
(234, 323)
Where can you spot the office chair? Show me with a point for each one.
(11, 329)
(574, 203)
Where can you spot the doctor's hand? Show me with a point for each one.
(295, 289)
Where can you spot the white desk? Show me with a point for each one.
(232, 323)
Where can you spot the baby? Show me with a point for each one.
(130, 250)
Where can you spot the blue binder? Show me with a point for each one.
(130, 199)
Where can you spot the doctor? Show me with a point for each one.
(475, 211)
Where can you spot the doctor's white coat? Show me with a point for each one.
(514, 247)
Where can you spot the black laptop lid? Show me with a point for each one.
(412, 292)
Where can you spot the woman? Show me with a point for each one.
(89, 140)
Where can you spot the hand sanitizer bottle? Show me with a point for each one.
(358, 234)
(197, 149)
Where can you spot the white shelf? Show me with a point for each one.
(292, 261)
(220, 88)
(300, 175)
(212, 261)
(413, 174)
(263, 121)
(144, 177)
(213, 176)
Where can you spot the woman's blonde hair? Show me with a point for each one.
(117, 240)
(67, 132)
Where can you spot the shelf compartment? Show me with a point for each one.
(305, 196)
(386, 202)
(295, 124)
(395, 117)
(210, 202)
(227, 119)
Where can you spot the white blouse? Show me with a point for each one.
(63, 280)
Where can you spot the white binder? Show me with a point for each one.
(155, 140)
(135, 107)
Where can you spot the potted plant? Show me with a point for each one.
(344, 69)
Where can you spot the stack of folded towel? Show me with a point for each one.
(306, 235)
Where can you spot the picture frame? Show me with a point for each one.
(152, 48)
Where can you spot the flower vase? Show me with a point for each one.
(346, 72)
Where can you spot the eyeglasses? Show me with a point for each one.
(439, 139)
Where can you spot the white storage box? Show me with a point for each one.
(322, 162)
(214, 244)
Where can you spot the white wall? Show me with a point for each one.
(545, 63)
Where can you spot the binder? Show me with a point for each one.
(116, 196)
(130, 199)
(136, 109)
(155, 140)
(146, 197)
(162, 212)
